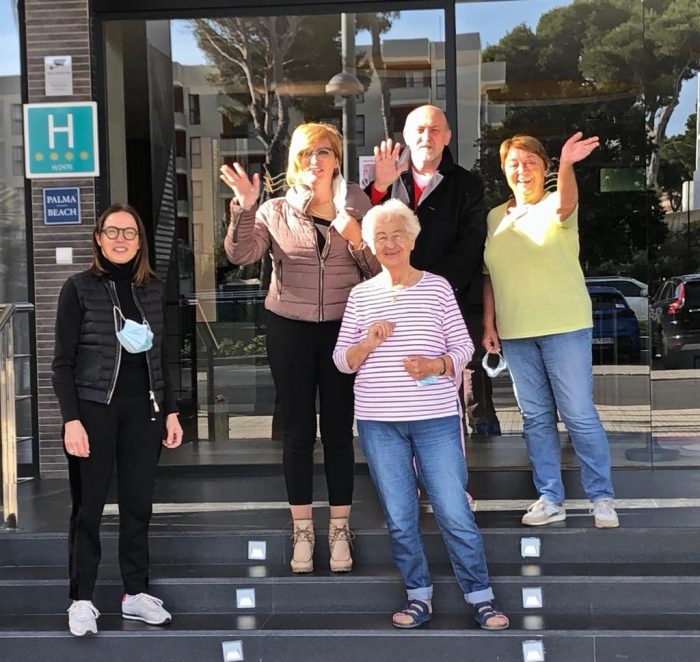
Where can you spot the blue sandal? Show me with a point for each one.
(418, 610)
(485, 611)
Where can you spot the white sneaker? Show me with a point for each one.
(82, 618)
(603, 511)
(146, 608)
(543, 512)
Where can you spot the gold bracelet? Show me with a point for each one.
(444, 366)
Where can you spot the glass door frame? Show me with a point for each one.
(104, 11)
(175, 11)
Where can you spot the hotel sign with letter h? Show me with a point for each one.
(60, 140)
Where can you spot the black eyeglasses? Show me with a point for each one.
(112, 232)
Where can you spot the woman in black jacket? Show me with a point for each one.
(111, 380)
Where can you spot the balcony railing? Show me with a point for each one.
(410, 96)
(180, 164)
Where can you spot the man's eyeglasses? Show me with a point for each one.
(321, 154)
(112, 232)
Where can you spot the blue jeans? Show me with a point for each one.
(436, 445)
(554, 372)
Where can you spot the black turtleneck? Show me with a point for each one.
(122, 275)
(133, 370)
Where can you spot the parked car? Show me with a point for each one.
(635, 292)
(674, 317)
(615, 327)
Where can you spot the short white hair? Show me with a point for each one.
(392, 208)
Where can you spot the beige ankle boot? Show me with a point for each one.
(340, 544)
(303, 546)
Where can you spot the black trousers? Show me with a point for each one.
(122, 433)
(480, 409)
(300, 356)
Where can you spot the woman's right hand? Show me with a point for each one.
(378, 332)
(245, 190)
(75, 439)
(490, 341)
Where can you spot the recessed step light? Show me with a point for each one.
(245, 598)
(232, 651)
(532, 598)
(530, 547)
(533, 651)
(257, 550)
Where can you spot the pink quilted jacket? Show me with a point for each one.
(306, 284)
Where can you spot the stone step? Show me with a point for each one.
(558, 544)
(317, 637)
(214, 589)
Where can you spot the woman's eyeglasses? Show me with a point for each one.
(321, 154)
(395, 238)
(112, 232)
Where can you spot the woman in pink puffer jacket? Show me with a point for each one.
(313, 237)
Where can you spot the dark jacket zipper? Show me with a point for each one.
(151, 391)
(279, 280)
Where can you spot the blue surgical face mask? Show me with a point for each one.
(494, 372)
(133, 337)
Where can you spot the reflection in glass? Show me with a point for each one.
(546, 67)
(547, 70)
(672, 88)
(242, 84)
(13, 250)
(675, 322)
(13, 247)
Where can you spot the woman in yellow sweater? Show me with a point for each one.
(538, 312)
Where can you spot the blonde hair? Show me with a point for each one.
(391, 208)
(527, 143)
(306, 136)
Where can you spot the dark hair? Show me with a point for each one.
(142, 266)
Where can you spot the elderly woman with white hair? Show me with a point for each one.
(404, 336)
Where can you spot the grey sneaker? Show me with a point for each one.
(603, 511)
(543, 512)
(82, 618)
(146, 608)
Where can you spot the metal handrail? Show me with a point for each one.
(8, 431)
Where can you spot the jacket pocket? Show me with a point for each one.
(87, 366)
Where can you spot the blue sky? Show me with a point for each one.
(471, 17)
(9, 40)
